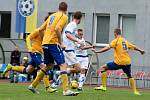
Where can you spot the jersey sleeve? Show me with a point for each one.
(61, 24)
(113, 43)
(29, 38)
(130, 45)
(33, 34)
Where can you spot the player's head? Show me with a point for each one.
(80, 33)
(117, 31)
(77, 17)
(63, 6)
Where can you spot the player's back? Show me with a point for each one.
(56, 20)
(121, 47)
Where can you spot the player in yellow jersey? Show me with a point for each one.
(52, 43)
(35, 49)
(122, 59)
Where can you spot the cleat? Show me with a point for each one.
(137, 93)
(8, 68)
(33, 90)
(100, 88)
(70, 93)
(80, 89)
(54, 86)
(51, 90)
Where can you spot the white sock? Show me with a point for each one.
(81, 80)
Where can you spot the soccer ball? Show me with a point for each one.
(74, 84)
(26, 7)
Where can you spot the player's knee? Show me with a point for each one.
(29, 70)
(104, 68)
(129, 76)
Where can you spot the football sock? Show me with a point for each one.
(81, 80)
(46, 81)
(64, 80)
(38, 78)
(104, 78)
(133, 84)
(18, 68)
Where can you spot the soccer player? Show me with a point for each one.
(122, 59)
(69, 40)
(34, 45)
(53, 27)
(82, 57)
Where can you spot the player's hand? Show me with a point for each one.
(62, 46)
(78, 42)
(94, 50)
(93, 46)
(142, 52)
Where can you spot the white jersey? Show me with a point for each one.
(82, 55)
(70, 29)
(78, 50)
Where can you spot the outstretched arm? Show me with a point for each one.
(140, 50)
(86, 47)
(102, 50)
(131, 46)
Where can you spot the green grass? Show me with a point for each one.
(13, 91)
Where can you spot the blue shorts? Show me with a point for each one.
(53, 52)
(36, 59)
(126, 68)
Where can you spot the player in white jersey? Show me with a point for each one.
(82, 57)
(69, 40)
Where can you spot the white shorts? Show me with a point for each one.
(83, 62)
(70, 58)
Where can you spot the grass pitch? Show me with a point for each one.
(12, 91)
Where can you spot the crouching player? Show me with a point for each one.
(34, 45)
(122, 59)
(82, 57)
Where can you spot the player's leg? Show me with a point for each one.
(103, 78)
(42, 72)
(127, 70)
(58, 55)
(71, 60)
(104, 68)
(82, 78)
(9, 67)
(20, 69)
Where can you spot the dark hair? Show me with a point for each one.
(63, 6)
(80, 30)
(77, 15)
(118, 31)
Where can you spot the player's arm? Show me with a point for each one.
(140, 50)
(69, 30)
(72, 38)
(59, 28)
(102, 50)
(134, 47)
(29, 40)
(108, 47)
(86, 47)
